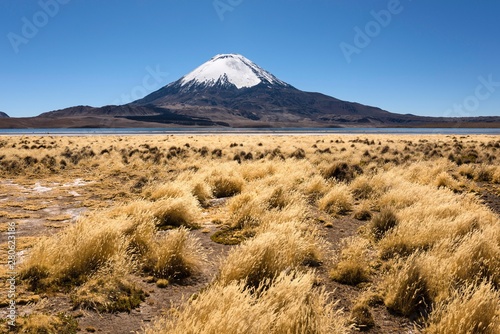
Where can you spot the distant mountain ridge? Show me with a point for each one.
(148, 113)
(231, 90)
(4, 115)
(112, 111)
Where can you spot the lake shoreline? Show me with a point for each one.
(249, 131)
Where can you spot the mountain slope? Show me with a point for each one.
(231, 87)
(145, 113)
(3, 115)
(125, 110)
(231, 90)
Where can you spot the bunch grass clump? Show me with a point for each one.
(426, 216)
(246, 211)
(314, 188)
(288, 304)
(407, 292)
(176, 212)
(342, 171)
(39, 322)
(353, 266)
(383, 222)
(98, 256)
(71, 256)
(108, 293)
(185, 185)
(338, 201)
(362, 187)
(175, 255)
(474, 308)
(174, 189)
(225, 181)
(250, 209)
(276, 248)
(167, 212)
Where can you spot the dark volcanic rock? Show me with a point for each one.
(233, 86)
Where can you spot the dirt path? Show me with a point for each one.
(346, 295)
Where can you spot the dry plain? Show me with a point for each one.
(251, 233)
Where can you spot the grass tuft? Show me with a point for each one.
(108, 293)
(383, 222)
(225, 182)
(290, 304)
(472, 309)
(406, 289)
(278, 247)
(176, 212)
(40, 323)
(175, 255)
(338, 201)
(353, 267)
(74, 254)
(362, 317)
(342, 171)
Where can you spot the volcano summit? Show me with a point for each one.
(230, 69)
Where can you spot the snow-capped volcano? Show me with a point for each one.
(230, 69)
(232, 89)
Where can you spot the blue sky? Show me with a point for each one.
(425, 57)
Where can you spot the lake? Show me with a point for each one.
(250, 131)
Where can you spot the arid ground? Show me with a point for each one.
(250, 234)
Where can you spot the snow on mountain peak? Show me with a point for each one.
(231, 68)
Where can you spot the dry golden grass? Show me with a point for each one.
(428, 246)
(177, 255)
(168, 212)
(407, 291)
(110, 289)
(37, 323)
(73, 254)
(338, 201)
(353, 265)
(472, 309)
(383, 222)
(103, 247)
(225, 181)
(276, 248)
(289, 304)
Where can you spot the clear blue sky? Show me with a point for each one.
(427, 58)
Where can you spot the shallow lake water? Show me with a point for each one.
(251, 131)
